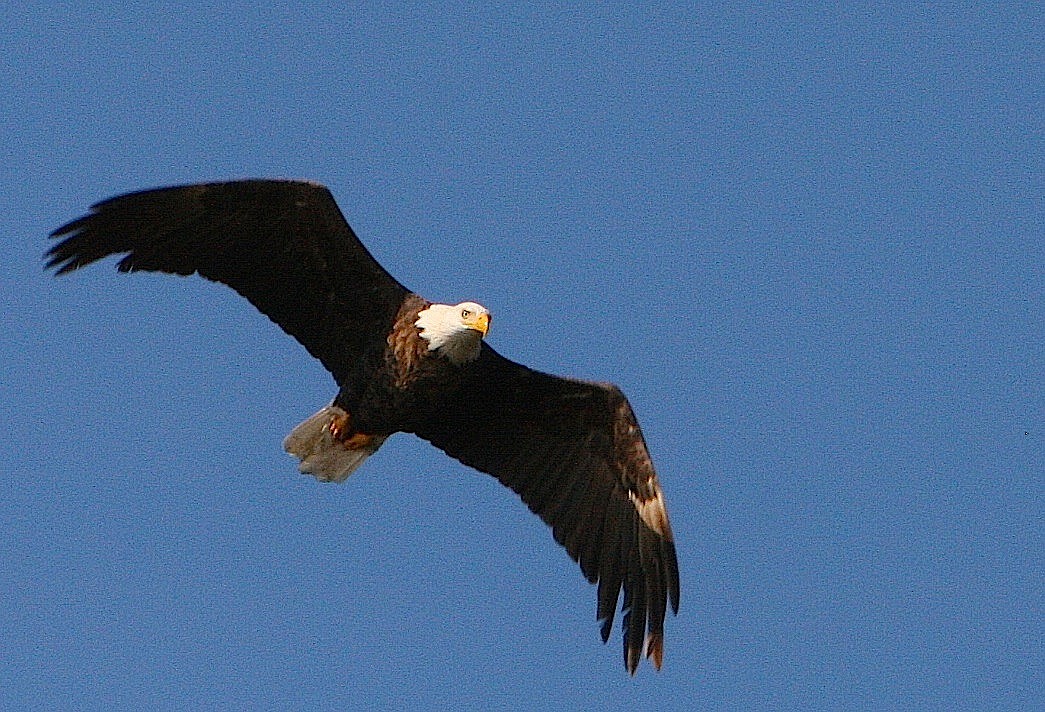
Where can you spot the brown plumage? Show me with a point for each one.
(572, 450)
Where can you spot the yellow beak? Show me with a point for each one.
(480, 323)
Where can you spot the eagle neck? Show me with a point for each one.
(407, 350)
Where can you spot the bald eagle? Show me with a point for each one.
(571, 449)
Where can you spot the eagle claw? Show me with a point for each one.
(340, 428)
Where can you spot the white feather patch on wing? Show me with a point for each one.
(653, 513)
(321, 455)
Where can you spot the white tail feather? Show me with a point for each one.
(321, 455)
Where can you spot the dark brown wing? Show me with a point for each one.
(284, 245)
(575, 454)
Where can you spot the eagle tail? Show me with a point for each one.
(322, 455)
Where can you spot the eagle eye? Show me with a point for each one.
(465, 313)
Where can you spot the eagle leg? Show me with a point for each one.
(341, 430)
(340, 425)
(358, 441)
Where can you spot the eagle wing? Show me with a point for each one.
(574, 453)
(284, 245)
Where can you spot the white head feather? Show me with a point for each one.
(455, 331)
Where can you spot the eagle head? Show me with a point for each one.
(454, 331)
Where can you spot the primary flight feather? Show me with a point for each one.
(572, 450)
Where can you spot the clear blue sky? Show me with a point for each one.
(808, 244)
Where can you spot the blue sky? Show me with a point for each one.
(807, 243)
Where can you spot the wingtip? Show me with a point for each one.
(655, 650)
(60, 257)
(632, 656)
(60, 264)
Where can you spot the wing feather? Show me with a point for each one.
(284, 245)
(574, 453)
(586, 531)
(611, 567)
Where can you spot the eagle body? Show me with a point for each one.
(403, 382)
(572, 450)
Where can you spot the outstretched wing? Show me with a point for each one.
(574, 452)
(284, 245)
